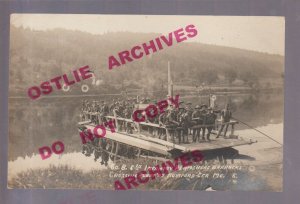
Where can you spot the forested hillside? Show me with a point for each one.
(37, 56)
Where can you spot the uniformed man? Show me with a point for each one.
(202, 122)
(97, 152)
(196, 122)
(225, 118)
(104, 111)
(179, 129)
(152, 130)
(184, 125)
(83, 111)
(88, 110)
(112, 106)
(94, 117)
(161, 122)
(189, 110)
(155, 121)
(181, 111)
(122, 107)
(127, 115)
(171, 124)
(210, 122)
(104, 154)
(97, 112)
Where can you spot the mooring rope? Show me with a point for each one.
(258, 131)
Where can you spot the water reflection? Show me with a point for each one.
(33, 124)
(74, 159)
(266, 152)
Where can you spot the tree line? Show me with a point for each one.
(36, 56)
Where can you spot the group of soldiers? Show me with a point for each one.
(97, 110)
(174, 124)
(184, 121)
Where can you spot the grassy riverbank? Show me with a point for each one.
(219, 177)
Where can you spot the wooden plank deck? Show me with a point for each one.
(216, 143)
(136, 142)
(163, 147)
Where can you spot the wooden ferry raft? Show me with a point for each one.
(162, 147)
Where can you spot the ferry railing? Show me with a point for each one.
(99, 118)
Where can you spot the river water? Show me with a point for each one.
(33, 124)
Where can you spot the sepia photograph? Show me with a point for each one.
(146, 102)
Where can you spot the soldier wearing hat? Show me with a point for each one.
(181, 103)
(189, 111)
(161, 122)
(152, 130)
(225, 118)
(112, 105)
(93, 112)
(122, 107)
(171, 124)
(83, 110)
(189, 108)
(88, 110)
(177, 112)
(202, 120)
(178, 119)
(155, 121)
(196, 122)
(104, 111)
(127, 115)
(180, 110)
(210, 122)
(184, 124)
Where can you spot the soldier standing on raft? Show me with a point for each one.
(189, 111)
(103, 110)
(112, 106)
(170, 124)
(196, 121)
(127, 115)
(104, 153)
(151, 130)
(185, 124)
(161, 122)
(225, 118)
(83, 111)
(155, 121)
(210, 122)
(94, 116)
(179, 129)
(202, 121)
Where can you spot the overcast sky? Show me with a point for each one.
(258, 33)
